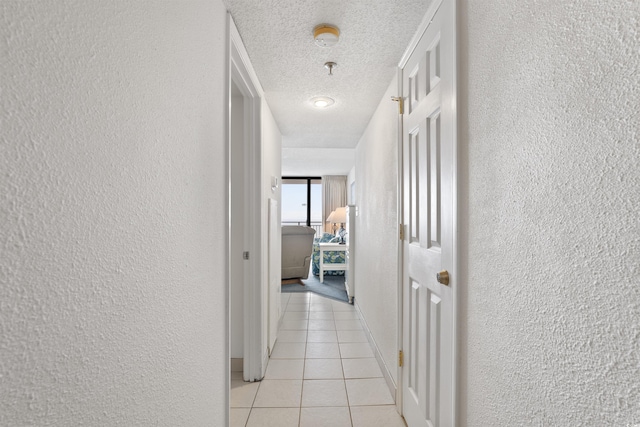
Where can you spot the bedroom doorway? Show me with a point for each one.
(237, 242)
(247, 300)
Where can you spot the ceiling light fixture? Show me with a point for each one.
(322, 101)
(326, 35)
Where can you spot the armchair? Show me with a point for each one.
(297, 243)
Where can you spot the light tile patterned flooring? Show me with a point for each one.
(322, 373)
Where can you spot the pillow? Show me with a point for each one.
(326, 237)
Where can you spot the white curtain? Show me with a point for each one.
(334, 195)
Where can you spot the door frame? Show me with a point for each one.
(242, 74)
(454, 271)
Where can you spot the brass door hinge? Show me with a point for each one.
(400, 102)
(401, 358)
(402, 232)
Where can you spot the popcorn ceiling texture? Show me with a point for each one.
(112, 165)
(550, 315)
(278, 37)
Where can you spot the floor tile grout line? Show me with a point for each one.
(341, 358)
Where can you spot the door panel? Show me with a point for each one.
(434, 174)
(428, 212)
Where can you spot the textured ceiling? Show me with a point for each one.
(278, 37)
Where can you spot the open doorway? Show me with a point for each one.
(237, 242)
(247, 342)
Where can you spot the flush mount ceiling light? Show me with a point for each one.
(322, 101)
(326, 35)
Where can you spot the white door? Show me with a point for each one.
(429, 152)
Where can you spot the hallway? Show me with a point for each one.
(322, 373)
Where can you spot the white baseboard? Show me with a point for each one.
(376, 351)
(265, 361)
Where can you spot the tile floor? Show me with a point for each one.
(322, 373)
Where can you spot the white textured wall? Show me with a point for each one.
(376, 176)
(317, 161)
(550, 311)
(351, 180)
(112, 206)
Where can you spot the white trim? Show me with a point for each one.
(243, 57)
(400, 253)
(226, 274)
(454, 208)
(419, 32)
(243, 75)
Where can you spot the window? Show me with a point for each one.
(302, 202)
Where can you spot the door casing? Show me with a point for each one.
(242, 75)
(454, 268)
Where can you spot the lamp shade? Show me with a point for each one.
(330, 217)
(340, 215)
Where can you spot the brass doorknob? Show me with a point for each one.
(443, 277)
